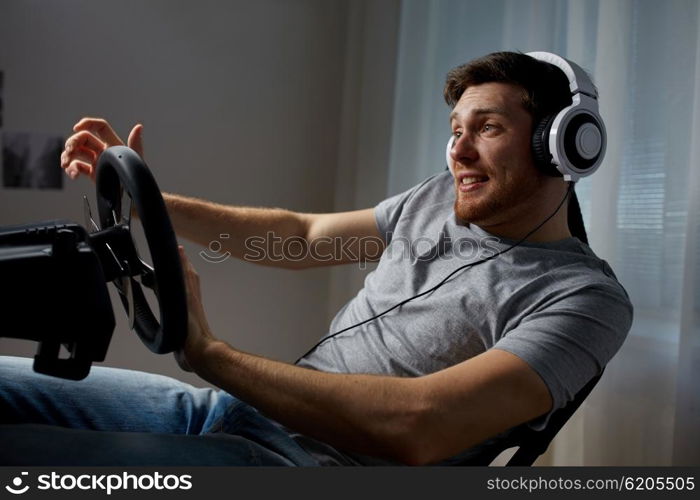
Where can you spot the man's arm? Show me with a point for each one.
(413, 420)
(278, 237)
(298, 240)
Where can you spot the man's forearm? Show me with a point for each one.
(367, 414)
(239, 230)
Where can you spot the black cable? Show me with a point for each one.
(444, 280)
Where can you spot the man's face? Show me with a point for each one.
(495, 176)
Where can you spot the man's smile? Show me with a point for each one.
(470, 181)
(469, 184)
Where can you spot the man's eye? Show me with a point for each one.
(456, 135)
(489, 128)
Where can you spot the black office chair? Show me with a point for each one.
(531, 443)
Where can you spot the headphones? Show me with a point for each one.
(570, 143)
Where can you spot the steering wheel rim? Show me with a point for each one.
(120, 167)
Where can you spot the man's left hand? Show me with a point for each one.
(199, 335)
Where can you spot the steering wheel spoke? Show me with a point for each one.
(147, 277)
(90, 223)
(125, 287)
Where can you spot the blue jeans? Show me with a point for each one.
(168, 413)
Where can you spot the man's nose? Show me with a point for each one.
(463, 150)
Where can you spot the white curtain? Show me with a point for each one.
(641, 209)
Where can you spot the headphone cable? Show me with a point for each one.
(444, 280)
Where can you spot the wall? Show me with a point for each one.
(241, 103)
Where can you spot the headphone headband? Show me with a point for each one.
(578, 79)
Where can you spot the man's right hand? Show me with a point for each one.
(91, 137)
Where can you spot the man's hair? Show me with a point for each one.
(545, 91)
(545, 87)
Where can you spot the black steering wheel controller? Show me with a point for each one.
(54, 274)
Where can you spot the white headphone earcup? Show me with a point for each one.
(448, 157)
(578, 146)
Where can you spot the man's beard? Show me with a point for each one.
(498, 205)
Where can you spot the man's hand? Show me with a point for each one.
(199, 336)
(91, 137)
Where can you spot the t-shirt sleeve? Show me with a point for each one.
(571, 341)
(388, 212)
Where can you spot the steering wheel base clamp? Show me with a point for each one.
(54, 293)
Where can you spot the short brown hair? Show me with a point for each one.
(545, 87)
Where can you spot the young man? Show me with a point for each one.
(505, 342)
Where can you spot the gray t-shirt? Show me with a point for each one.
(555, 305)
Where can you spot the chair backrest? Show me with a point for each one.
(531, 443)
